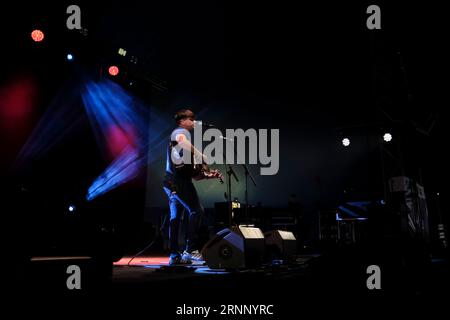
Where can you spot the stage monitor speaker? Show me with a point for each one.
(235, 248)
(281, 244)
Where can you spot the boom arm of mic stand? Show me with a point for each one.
(247, 172)
(231, 172)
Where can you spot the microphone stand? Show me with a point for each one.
(230, 172)
(247, 174)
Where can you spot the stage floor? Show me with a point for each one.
(139, 270)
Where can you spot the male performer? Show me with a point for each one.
(180, 189)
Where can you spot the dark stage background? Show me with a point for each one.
(310, 69)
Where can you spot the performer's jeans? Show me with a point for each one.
(184, 198)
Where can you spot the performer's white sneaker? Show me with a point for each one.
(194, 256)
(179, 260)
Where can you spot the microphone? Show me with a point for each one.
(204, 124)
(225, 138)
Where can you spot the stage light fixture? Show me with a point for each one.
(113, 70)
(346, 142)
(387, 137)
(69, 57)
(37, 35)
(72, 208)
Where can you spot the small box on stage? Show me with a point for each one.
(238, 247)
(281, 244)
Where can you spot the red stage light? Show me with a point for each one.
(37, 35)
(19, 98)
(113, 70)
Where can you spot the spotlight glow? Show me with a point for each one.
(119, 121)
(346, 142)
(113, 70)
(69, 57)
(71, 208)
(387, 137)
(37, 35)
